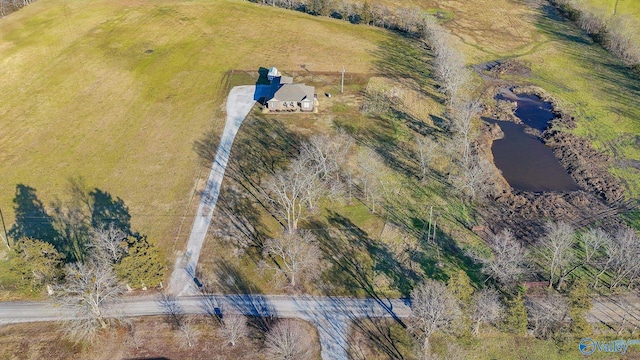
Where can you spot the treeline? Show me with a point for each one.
(9, 6)
(618, 34)
(405, 19)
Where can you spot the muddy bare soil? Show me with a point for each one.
(599, 201)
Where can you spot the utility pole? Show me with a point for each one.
(342, 83)
(4, 228)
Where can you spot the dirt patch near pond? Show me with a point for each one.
(599, 202)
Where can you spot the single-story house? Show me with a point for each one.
(284, 95)
(292, 97)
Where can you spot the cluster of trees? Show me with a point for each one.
(562, 252)
(452, 308)
(90, 225)
(455, 81)
(84, 252)
(458, 308)
(617, 33)
(319, 171)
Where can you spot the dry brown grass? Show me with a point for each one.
(153, 339)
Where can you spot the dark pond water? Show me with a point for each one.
(526, 163)
(531, 109)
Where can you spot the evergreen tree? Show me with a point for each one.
(516, 318)
(580, 303)
(142, 266)
(460, 286)
(36, 264)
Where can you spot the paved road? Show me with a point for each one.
(239, 104)
(301, 307)
(330, 315)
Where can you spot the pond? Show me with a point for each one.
(526, 163)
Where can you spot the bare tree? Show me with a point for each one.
(433, 308)
(234, 328)
(108, 243)
(371, 176)
(593, 241)
(188, 332)
(329, 153)
(288, 340)
(486, 308)
(297, 254)
(291, 191)
(475, 178)
(177, 318)
(509, 258)
(424, 148)
(547, 313)
(623, 253)
(557, 250)
(463, 111)
(91, 291)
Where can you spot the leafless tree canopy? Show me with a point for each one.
(547, 313)
(621, 258)
(108, 243)
(328, 153)
(475, 178)
(433, 308)
(292, 190)
(557, 250)
(463, 111)
(91, 291)
(370, 176)
(424, 149)
(297, 255)
(234, 328)
(288, 340)
(509, 258)
(486, 308)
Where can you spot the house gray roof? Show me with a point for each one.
(294, 92)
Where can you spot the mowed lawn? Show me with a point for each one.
(118, 91)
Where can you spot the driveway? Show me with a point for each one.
(239, 104)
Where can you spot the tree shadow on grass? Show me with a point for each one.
(31, 218)
(263, 146)
(407, 59)
(68, 226)
(238, 215)
(357, 258)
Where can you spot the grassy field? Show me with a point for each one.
(618, 7)
(118, 91)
